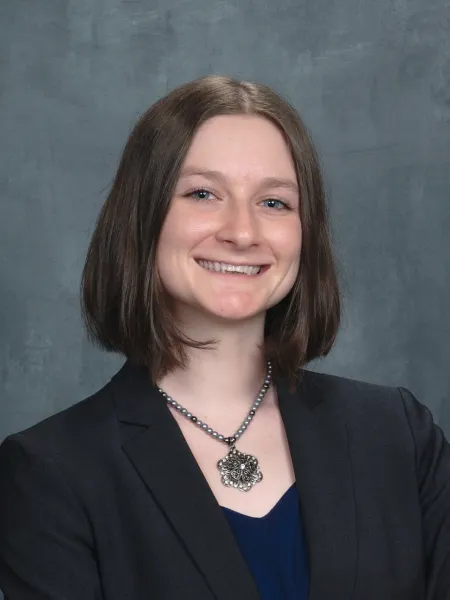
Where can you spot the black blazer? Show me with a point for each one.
(105, 500)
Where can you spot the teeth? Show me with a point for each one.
(226, 268)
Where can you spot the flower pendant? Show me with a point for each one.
(239, 470)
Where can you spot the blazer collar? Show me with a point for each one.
(164, 461)
(314, 418)
(317, 437)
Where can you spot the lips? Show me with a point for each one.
(222, 267)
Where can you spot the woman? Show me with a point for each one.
(212, 465)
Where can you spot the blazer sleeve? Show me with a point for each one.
(46, 545)
(433, 473)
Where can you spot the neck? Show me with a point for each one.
(228, 375)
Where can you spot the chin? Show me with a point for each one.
(236, 317)
(233, 313)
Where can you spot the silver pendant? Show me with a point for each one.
(239, 470)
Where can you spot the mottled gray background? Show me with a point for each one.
(372, 81)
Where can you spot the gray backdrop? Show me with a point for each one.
(372, 81)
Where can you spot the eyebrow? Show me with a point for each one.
(269, 182)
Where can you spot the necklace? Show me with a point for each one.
(237, 469)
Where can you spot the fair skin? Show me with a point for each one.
(236, 203)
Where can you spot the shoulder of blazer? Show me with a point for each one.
(338, 382)
(353, 399)
(81, 426)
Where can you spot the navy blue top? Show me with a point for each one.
(275, 549)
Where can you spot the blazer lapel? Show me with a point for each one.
(317, 437)
(163, 459)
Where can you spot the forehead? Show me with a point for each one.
(240, 145)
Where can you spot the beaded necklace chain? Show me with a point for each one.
(237, 470)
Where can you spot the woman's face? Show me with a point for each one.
(230, 244)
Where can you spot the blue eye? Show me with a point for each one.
(274, 203)
(200, 194)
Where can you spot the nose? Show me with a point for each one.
(239, 226)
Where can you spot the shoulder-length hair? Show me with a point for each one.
(124, 305)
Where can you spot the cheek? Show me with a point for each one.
(287, 243)
(173, 238)
(184, 227)
(168, 250)
(165, 250)
(181, 232)
(171, 229)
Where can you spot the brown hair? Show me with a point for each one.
(124, 305)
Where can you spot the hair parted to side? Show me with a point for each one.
(124, 305)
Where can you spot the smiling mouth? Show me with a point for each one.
(220, 267)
